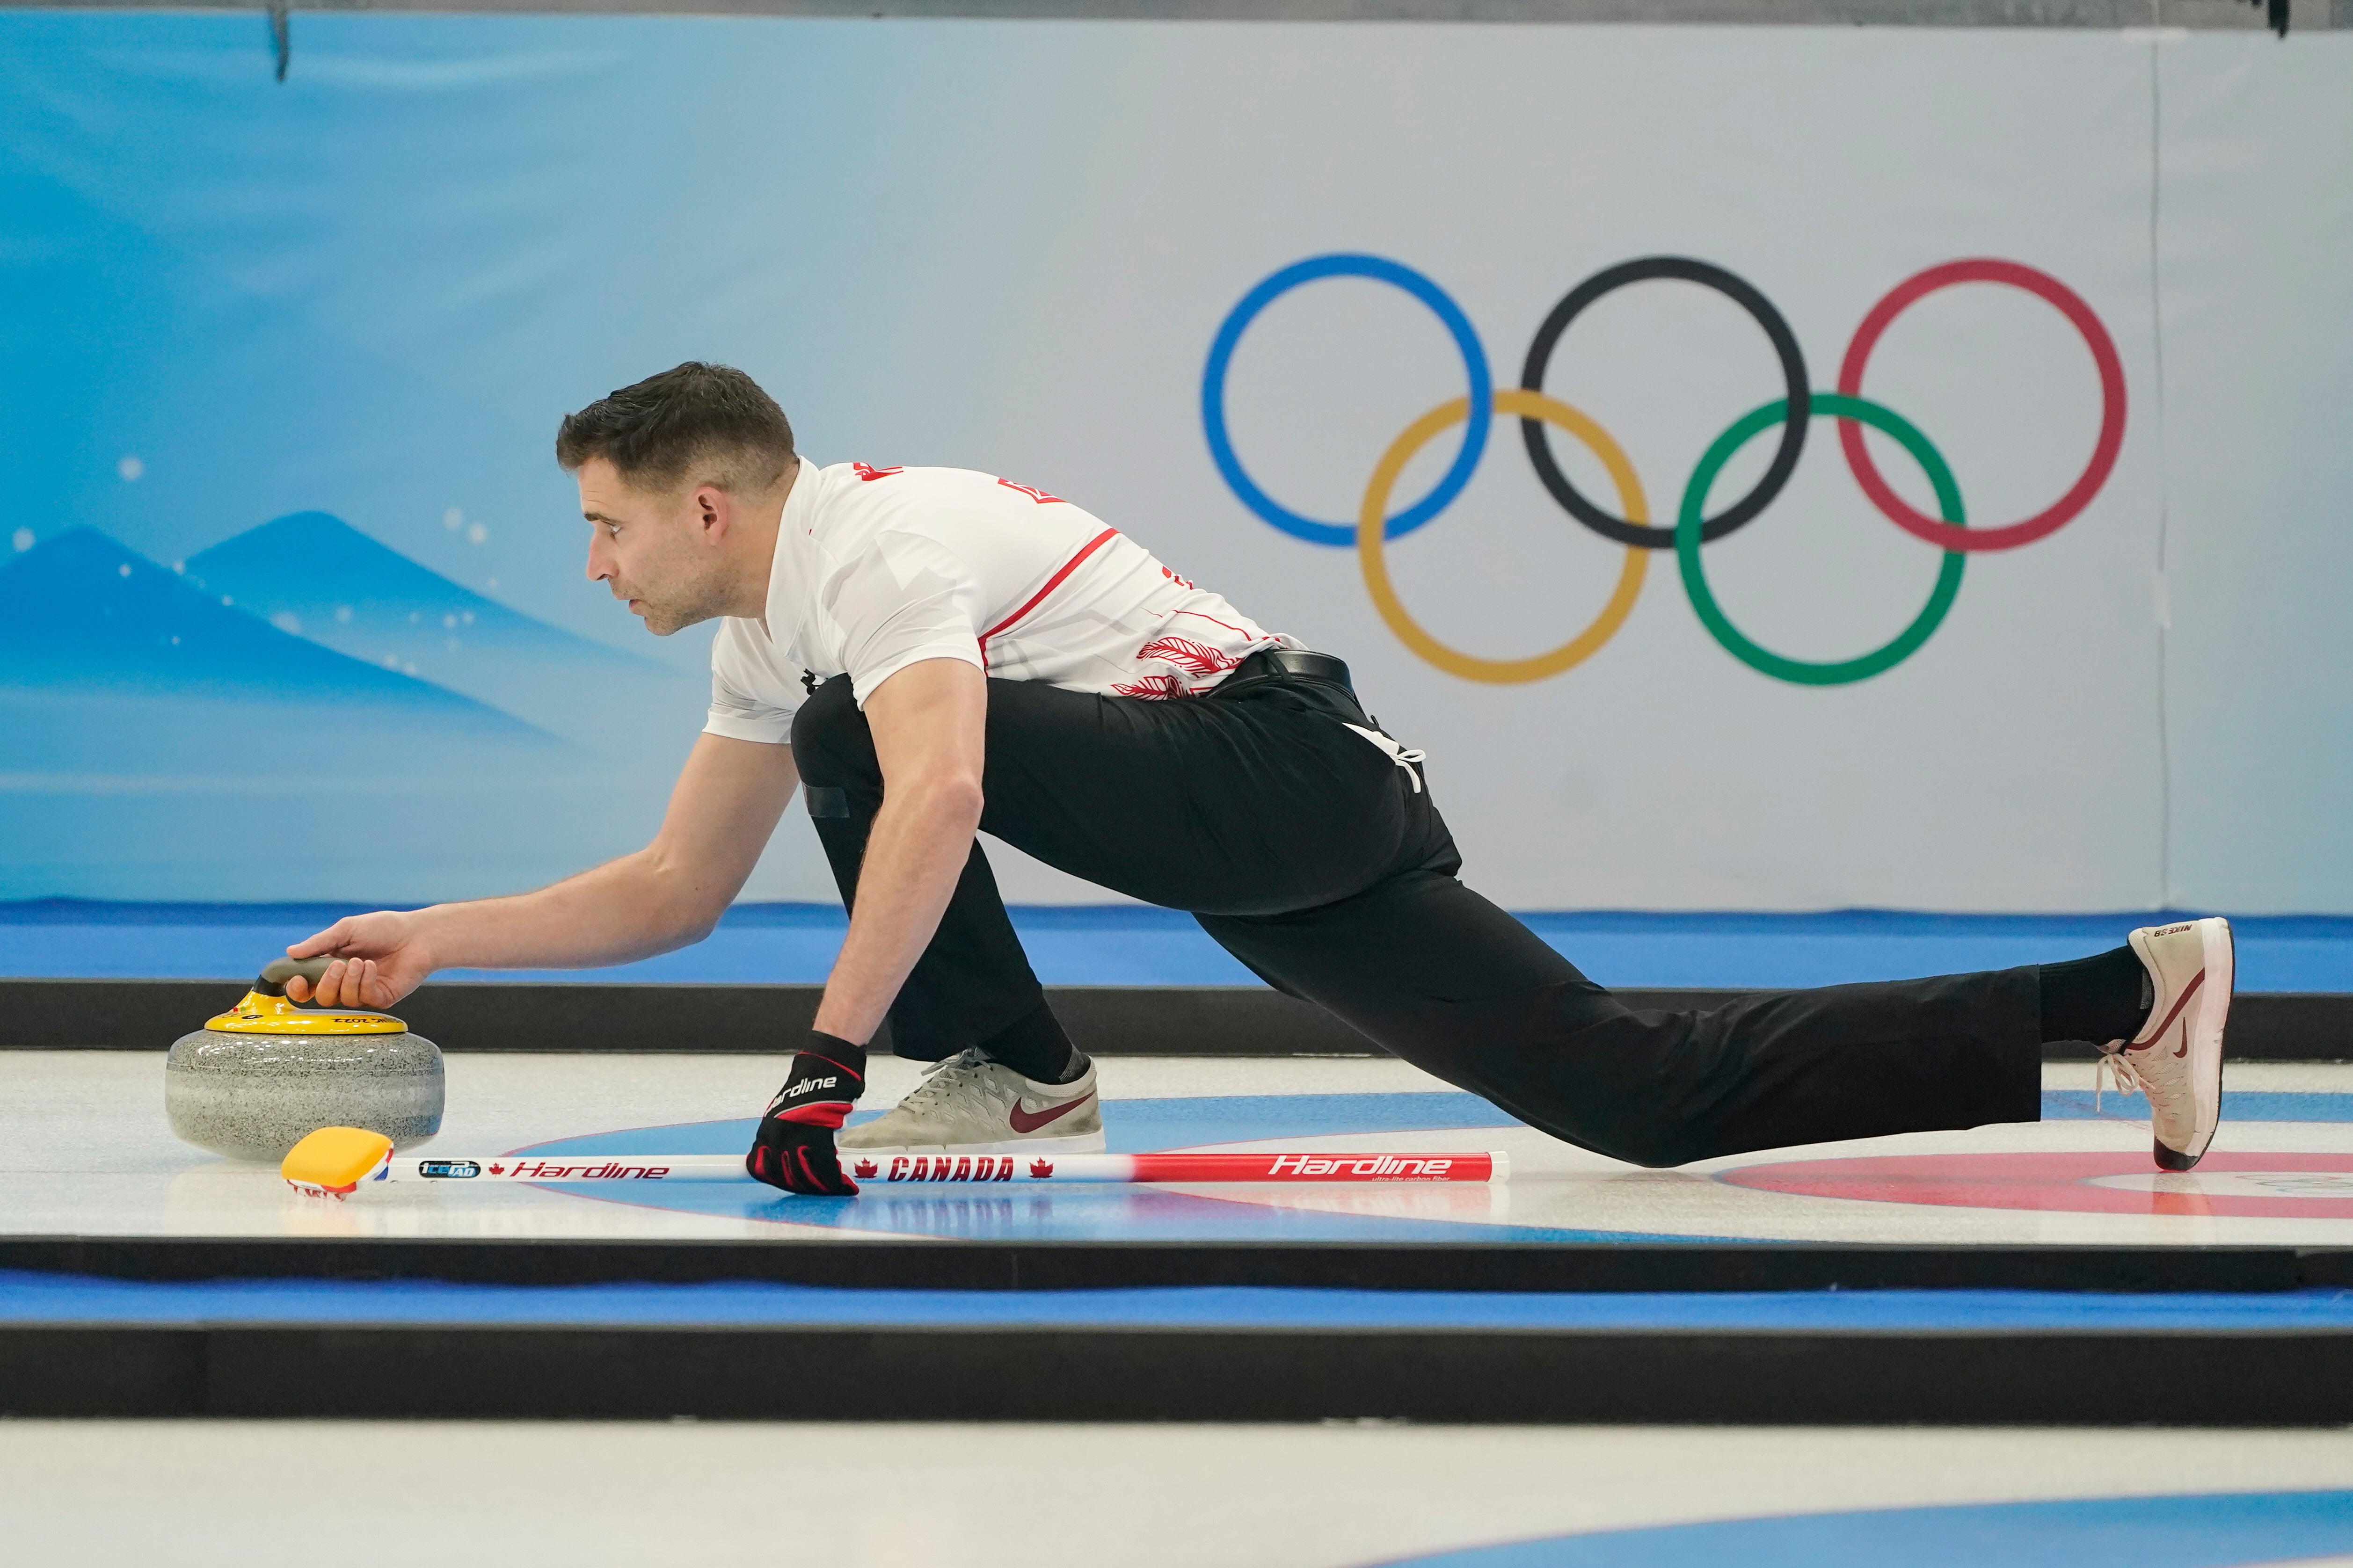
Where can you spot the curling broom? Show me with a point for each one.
(334, 1162)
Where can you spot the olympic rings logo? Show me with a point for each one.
(1792, 413)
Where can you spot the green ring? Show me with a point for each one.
(1688, 522)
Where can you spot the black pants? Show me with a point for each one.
(1310, 855)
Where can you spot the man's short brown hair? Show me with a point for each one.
(710, 423)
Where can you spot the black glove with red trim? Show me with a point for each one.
(793, 1148)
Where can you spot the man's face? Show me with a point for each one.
(659, 551)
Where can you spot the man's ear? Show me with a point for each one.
(710, 511)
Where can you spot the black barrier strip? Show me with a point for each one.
(1108, 1020)
(557, 1015)
(357, 1372)
(1506, 1268)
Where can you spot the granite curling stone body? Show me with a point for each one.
(255, 1081)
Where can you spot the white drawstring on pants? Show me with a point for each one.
(1403, 756)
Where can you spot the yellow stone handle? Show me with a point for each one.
(266, 1009)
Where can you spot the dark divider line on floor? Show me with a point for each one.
(765, 1019)
(359, 1372)
(1089, 1266)
(1108, 1020)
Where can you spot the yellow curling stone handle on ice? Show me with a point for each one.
(268, 1010)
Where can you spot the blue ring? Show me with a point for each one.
(1380, 269)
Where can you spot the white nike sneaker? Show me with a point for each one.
(2175, 1059)
(971, 1105)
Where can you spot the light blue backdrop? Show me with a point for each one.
(291, 592)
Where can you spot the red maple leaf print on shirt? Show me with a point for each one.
(1155, 687)
(1185, 654)
(865, 472)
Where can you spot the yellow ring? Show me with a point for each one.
(1371, 521)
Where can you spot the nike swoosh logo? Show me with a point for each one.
(2178, 1004)
(1023, 1121)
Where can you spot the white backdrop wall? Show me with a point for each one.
(2256, 230)
(370, 293)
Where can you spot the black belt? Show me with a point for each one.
(1285, 664)
(1317, 678)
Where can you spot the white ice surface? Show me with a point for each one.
(84, 1150)
(198, 1494)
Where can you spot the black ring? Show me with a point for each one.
(1793, 374)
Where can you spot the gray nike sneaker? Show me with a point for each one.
(971, 1105)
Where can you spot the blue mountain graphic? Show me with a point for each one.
(110, 663)
(157, 742)
(314, 575)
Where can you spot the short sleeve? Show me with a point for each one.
(736, 712)
(906, 600)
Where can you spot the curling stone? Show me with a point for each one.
(257, 1081)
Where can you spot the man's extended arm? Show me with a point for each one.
(930, 723)
(728, 799)
(930, 727)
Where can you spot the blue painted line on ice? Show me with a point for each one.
(2224, 1530)
(2238, 1105)
(30, 1298)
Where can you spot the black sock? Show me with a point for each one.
(2097, 999)
(1035, 1047)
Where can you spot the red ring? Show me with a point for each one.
(1946, 535)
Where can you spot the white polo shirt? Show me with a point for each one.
(878, 569)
